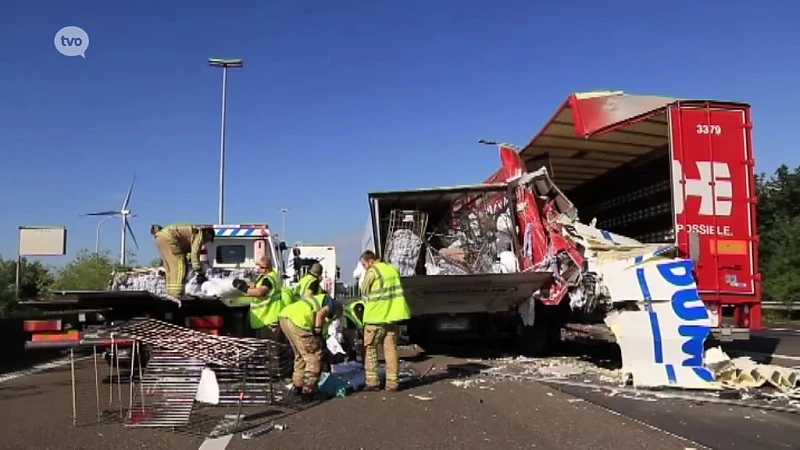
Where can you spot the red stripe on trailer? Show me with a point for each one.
(205, 322)
(69, 336)
(34, 326)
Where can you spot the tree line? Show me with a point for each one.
(87, 271)
(779, 252)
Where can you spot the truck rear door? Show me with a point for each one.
(713, 188)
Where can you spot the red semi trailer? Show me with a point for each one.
(661, 170)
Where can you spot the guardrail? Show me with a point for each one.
(780, 305)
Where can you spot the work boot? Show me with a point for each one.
(392, 387)
(369, 388)
(311, 397)
(295, 395)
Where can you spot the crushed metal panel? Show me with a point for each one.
(593, 133)
(593, 115)
(430, 197)
(661, 343)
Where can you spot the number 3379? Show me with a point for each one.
(709, 129)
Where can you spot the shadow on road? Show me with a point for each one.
(766, 345)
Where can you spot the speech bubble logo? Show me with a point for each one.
(71, 41)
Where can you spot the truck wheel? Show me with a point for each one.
(542, 339)
(532, 341)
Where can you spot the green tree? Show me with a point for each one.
(779, 231)
(88, 271)
(36, 280)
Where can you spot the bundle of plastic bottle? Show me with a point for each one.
(154, 280)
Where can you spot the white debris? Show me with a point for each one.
(743, 372)
(463, 384)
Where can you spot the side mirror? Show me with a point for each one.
(282, 246)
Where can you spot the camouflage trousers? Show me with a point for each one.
(307, 356)
(376, 336)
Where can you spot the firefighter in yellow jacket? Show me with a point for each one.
(314, 275)
(384, 307)
(266, 301)
(302, 323)
(174, 243)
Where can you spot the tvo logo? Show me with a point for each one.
(714, 200)
(71, 41)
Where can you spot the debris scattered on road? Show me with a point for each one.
(770, 391)
(260, 431)
(421, 397)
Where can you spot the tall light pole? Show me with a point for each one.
(97, 238)
(284, 211)
(225, 64)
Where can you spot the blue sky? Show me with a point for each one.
(340, 98)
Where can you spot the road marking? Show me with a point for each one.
(216, 442)
(767, 355)
(38, 368)
(789, 330)
(219, 443)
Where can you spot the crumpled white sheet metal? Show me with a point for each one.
(662, 343)
(527, 311)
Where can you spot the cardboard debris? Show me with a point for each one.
(744, 373)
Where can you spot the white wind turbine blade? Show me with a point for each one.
(133, 236)
(103, 213)
(127, 201)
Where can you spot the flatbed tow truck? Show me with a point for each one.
(82, 318)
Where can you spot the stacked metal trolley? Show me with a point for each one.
(165, 369)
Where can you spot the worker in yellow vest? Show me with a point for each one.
(265, 298)
(302, 323)
(384, 307)
(314, 275)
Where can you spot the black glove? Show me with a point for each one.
(318, 332)
(240, 285)
(200, 277)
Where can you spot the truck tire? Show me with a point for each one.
(532, 341)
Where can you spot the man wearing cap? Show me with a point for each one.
(314, 275)
(174, 244)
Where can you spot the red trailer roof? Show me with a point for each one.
(595, 132)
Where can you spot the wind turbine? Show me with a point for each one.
(124, 213)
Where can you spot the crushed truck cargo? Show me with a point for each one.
(634, 218)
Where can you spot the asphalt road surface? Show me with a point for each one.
(443, 413)
(777, 343)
